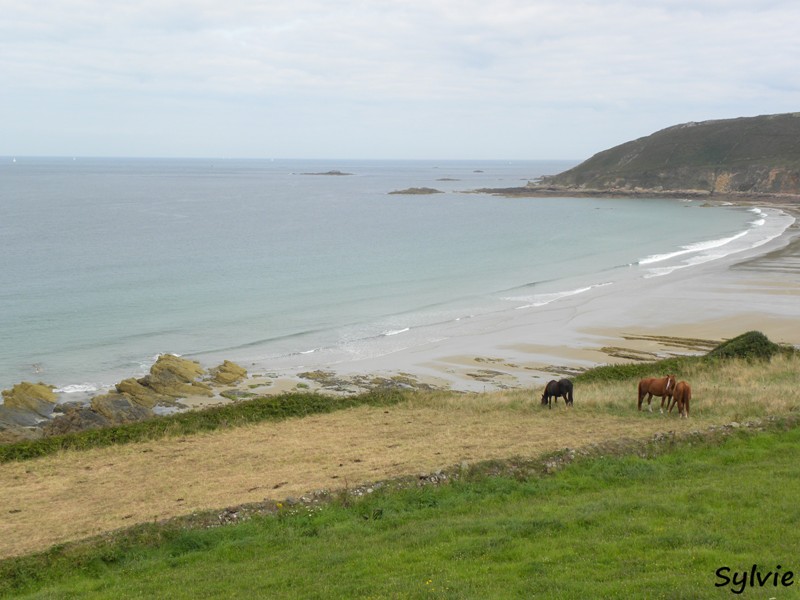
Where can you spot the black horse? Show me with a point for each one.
(554, 389)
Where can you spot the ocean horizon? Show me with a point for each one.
(110, 262)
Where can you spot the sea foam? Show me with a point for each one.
(538, 300)
(78, 388)
(771, 225)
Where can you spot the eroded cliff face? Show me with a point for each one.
(750, 180)
(759, 180)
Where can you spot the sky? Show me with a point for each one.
(386, 79)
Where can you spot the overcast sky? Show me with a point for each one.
(429, 79)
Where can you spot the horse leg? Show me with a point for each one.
(649, 400)
(665, 398)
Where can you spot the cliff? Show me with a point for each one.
(748, 155)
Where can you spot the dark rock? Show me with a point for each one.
(417, 191)
(76, 419)
(333, 172)
(120, 408)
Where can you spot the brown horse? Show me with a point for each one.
(681, 397)
(656, 387)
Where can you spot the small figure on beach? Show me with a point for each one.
(555, 389)
(681, 397)
(651, 386)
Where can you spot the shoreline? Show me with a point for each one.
(637, 318)
(686, 311)
(545, 191)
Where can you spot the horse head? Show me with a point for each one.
(670, 385)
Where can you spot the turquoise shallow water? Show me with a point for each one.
(108, 262)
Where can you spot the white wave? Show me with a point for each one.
(762, 217)
(690, 248)
(84, 388)
(773, 228)
(538, 300)
(396, 331)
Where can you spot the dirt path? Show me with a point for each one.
(78, 494)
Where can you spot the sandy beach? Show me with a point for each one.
(636, 318)
(57, 499)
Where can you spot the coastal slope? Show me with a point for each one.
(748, 155)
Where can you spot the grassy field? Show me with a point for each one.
(612, 527)
(651, 506)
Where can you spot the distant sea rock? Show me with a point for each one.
(419, 191)
(334, 173)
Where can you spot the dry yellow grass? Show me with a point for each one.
(78, 494)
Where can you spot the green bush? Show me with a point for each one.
(750, 345)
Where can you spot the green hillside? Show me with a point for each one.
(750, 155)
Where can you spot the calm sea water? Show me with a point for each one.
(108, 262)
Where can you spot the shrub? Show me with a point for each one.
(750, 345)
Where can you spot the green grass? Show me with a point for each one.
(607, 527)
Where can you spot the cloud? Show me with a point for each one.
(545, 68)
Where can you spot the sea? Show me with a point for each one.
(109, 262)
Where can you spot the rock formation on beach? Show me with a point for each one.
(35, 397)
(31, 410)
(176, 377)
(228, 373)
(24, 408)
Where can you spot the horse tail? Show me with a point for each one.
(686, 400)
(642, 392)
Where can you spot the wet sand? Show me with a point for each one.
(635, 319)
